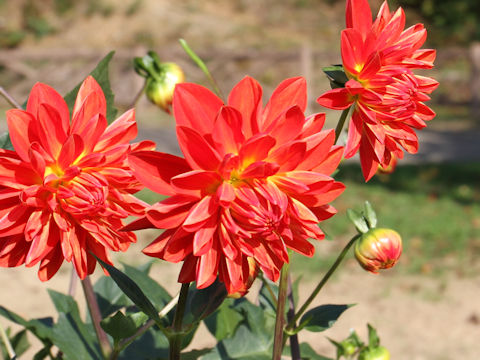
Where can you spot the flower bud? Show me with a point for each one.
(377, 353)
(252, 275)
(161, 78)
(160, 89)
(378, 249)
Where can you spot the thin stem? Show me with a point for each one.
(280, 319)
(199, 62)
(8, 345)
(294, 344)
(138, 96)
(176, 339)
(96, 316)
(341, 123)
(72, 288)
(122, 344)
(9, 98)
(291, 323)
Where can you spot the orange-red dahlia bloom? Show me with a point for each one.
(67, 186)
(254, 182)
(388, 98)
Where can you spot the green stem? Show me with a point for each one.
(341, 123)
(122, 344)
(96, 316)
(9, 98)
(294, 343)
(176, 339)
(202, 66)
(8, 345)
(280, 319)
(322, 282)
(138, 96)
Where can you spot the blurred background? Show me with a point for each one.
(426, 307)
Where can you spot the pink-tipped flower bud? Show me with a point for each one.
(378, 353)
(378, 249)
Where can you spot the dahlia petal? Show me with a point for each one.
(170, 212)
(228, 129)
(93, 130)
(338, 99)
(260, 170)
(179, 246)
(44, 94)
(197, 150)
(200, 213)
(13, 250)
(355, 130)
(89, 102)
(52, 134)
(157, 246)
(226, 243)
(71, 150)
(195, 180)
(196, 107)
(207, 268)
(368, 159)
(155, 169)
(312, 125)
(188, 272)
(21, 132)
(290, 92)
(318, 148)
(121, 131)
(301, 246)
(50, 264)
(246, 97)
(358, 15)
(36, 159)
(225, 194)
(257, 147)
(13, 223)
(42, 240)
(204, 238)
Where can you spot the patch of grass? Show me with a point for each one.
(435, 208)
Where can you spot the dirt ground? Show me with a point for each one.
(417, 317)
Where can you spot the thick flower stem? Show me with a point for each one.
(6, 342)
(9, 98)
(294, 344)
(176, 338)
(341, 123)
(326, 277)
(280, 319)
(96, 316)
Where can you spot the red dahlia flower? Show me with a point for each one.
(67, 186)
(388, 99)
(254, 182)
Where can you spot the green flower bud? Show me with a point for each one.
(378, 249)
(160, 88)
(378, 353)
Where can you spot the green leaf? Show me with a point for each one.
(370, 215)
(109, 296)
(5, 142)
(133, 291)
(152, 345)
(203, 302)
(358, 220)
(153, 290)
(223, 322)
(100, 73)
(41, 328)
(373, 339)
(336, 75)
(42, 354)
(20, 342)
(307, 352)
(121, 326)
(323, 317)
(74, 339)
